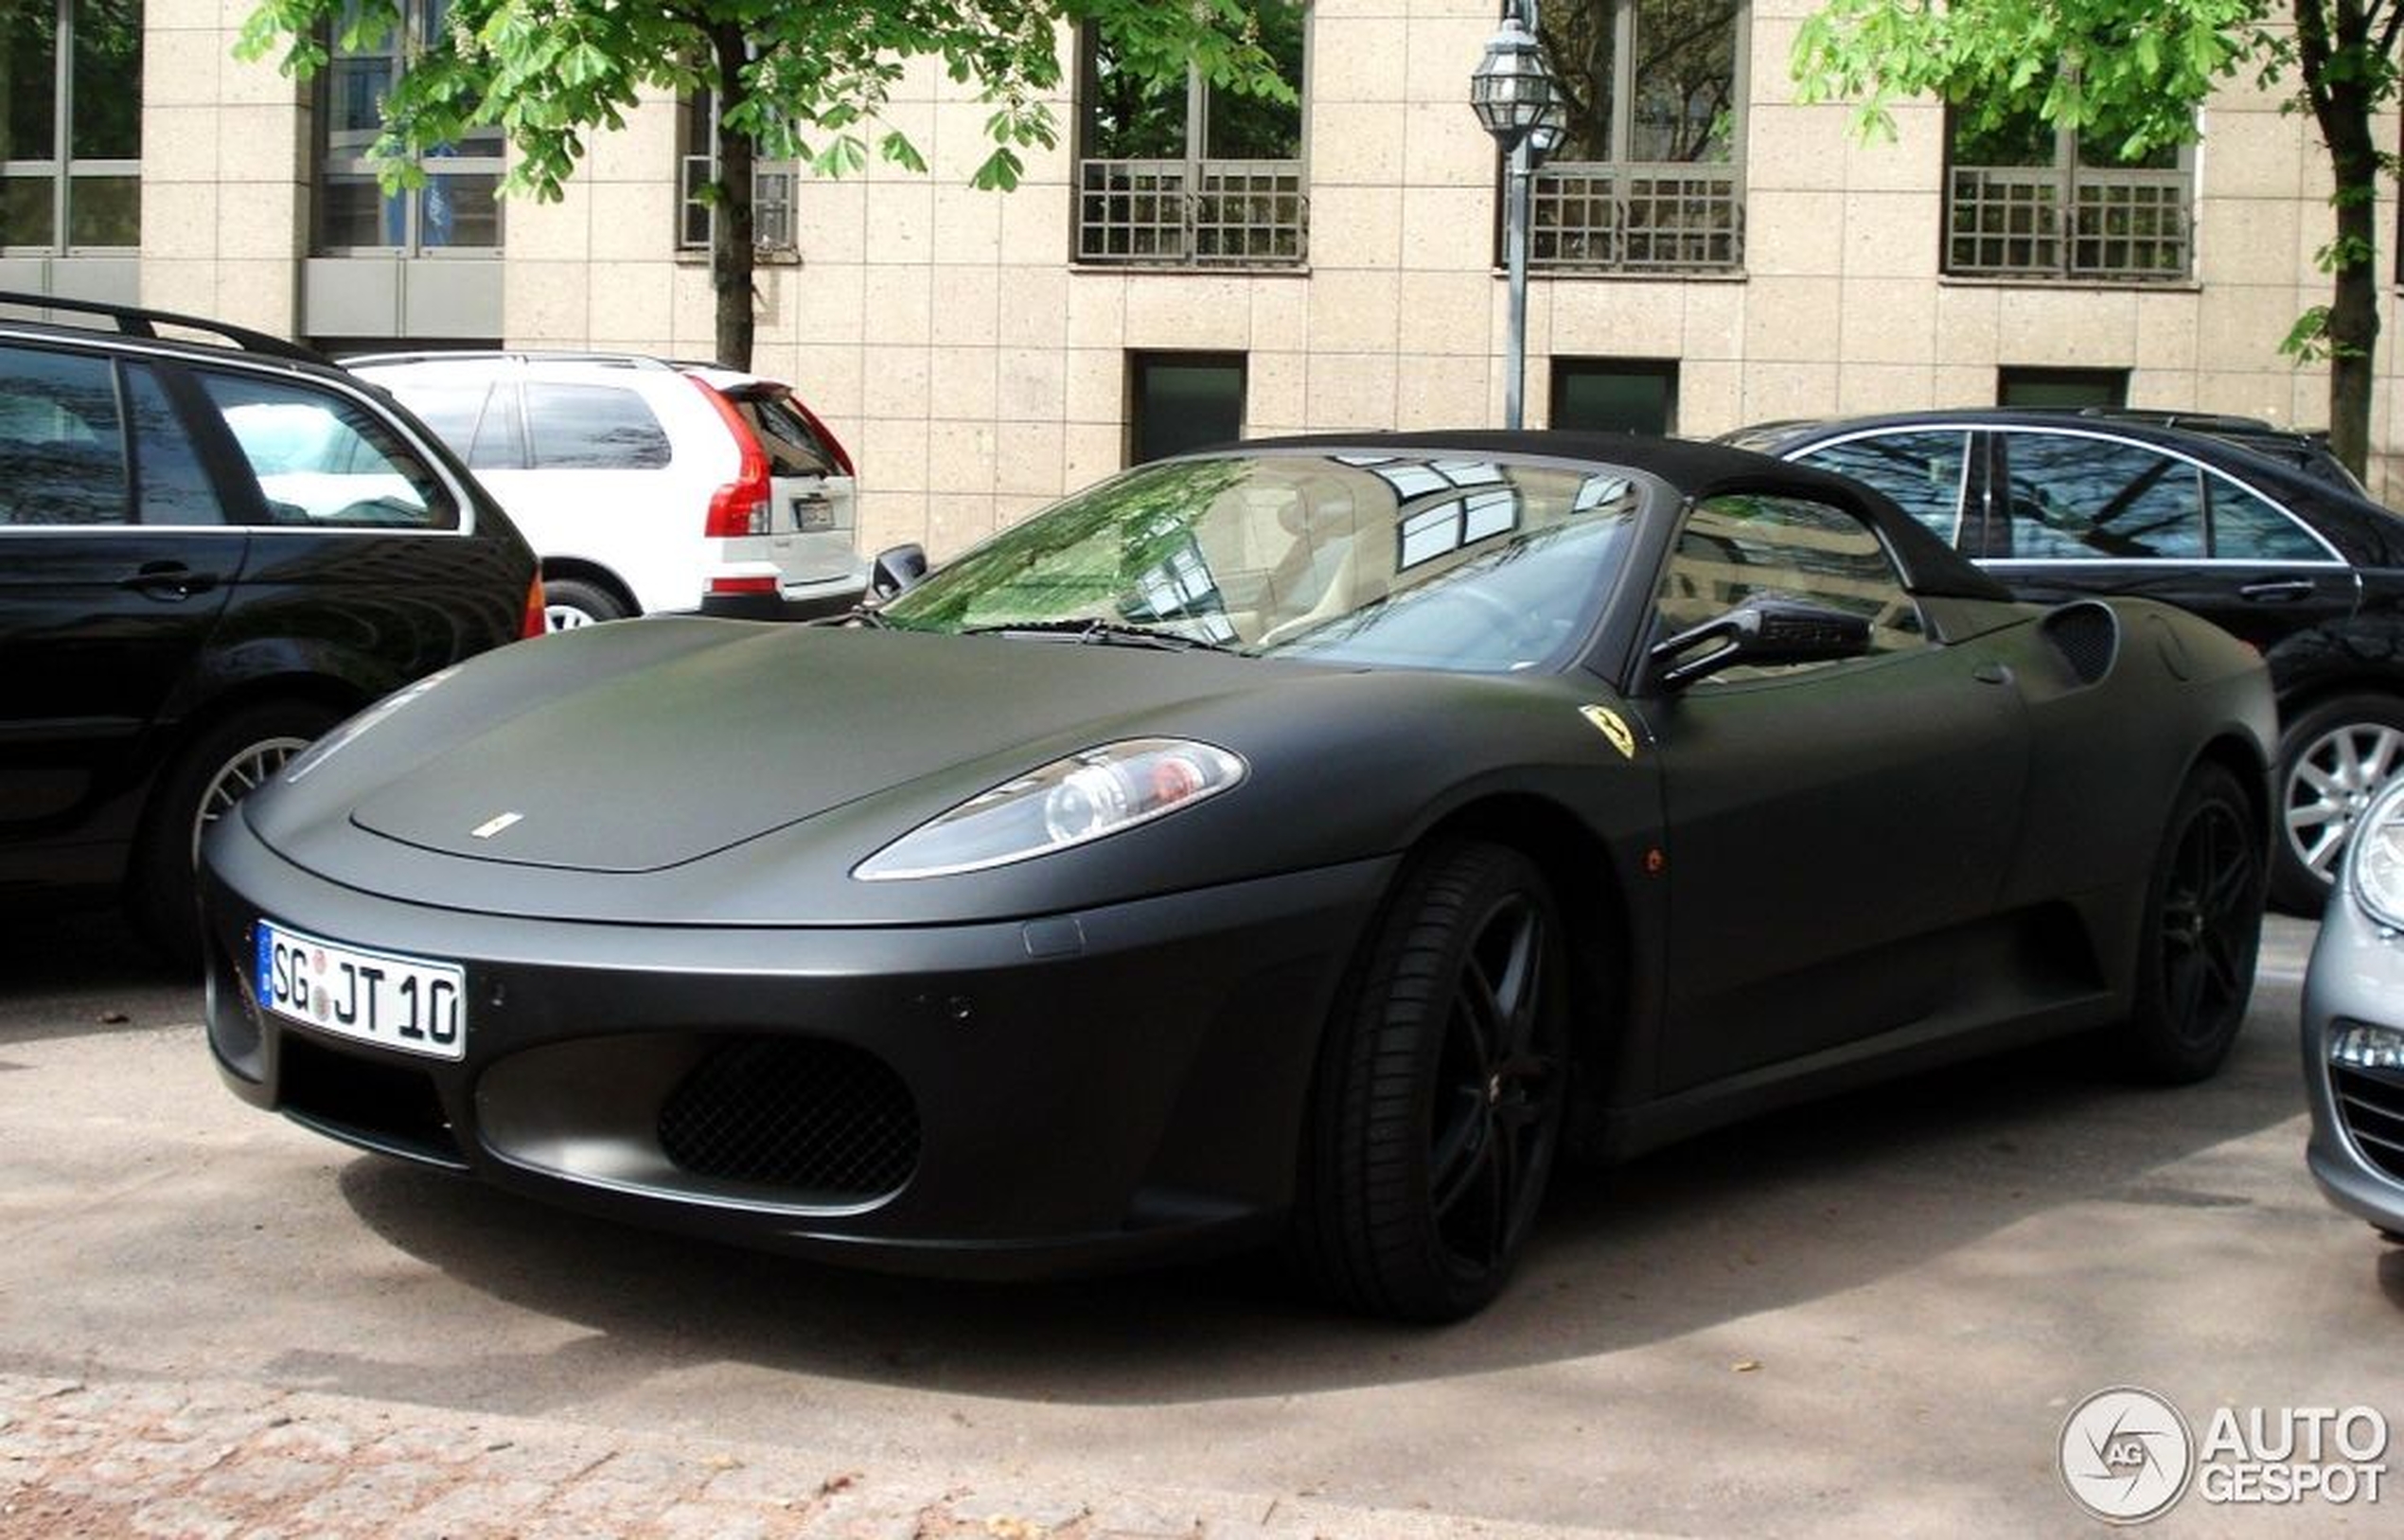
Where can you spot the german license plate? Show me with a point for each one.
(415, 1005)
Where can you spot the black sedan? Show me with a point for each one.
(2261, 532)
(1309, 839)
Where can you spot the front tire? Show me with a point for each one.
(216, 769)
(2202, 928)
(2333, 759)
(1439, 1100)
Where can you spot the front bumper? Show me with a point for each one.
(2357, 1150)
(1012, 1098)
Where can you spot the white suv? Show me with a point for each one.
(643, 485)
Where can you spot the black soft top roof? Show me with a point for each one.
(1694, 468)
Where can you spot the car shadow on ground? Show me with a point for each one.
(68, 972)
(1776, 1211)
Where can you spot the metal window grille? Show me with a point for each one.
(771, 206)
(2079, 222)
(1182, 213)
(1673, 218)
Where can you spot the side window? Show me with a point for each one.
(61, 448)
(2077, 499)
(1922, 472)
(322, 461)
(176, 489)
(1737, 546)
(2248, 527)
(592, 428)
(473, 419)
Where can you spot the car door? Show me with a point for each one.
(116, 562)
(2076, 513)
(1838, 830)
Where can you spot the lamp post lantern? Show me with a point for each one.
(1512, 90)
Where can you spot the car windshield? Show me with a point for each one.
(1474, 565)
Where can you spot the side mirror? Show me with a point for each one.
(1764, 629)
(896, 570)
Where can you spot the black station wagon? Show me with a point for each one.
(2300, 564)
(210, 551)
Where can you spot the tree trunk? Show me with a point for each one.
(730, 244)
(2332, 40)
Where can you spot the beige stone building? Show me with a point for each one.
(1708, 252)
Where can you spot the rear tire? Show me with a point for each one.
(2333, 759)
(571, 603)
(1438, 1106)
(215, 771)
(2202, 928)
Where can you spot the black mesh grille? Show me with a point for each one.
(2372, 1105)
(2087, 637)
(823, 1119)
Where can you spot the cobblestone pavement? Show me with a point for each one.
(232, 1461)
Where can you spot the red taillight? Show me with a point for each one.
(741, 506)
(533, 623)
(764, 583)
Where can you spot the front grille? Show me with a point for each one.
(2372, 1103)
(381, 1105)
(817, 1119)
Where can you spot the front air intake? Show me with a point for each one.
(817, 1121)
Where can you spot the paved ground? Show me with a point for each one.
(1869, 1317)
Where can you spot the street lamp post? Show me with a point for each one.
(1512, 90)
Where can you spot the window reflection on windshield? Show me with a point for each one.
(1473, 565)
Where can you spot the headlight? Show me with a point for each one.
(2376, 864)
(1065, 802)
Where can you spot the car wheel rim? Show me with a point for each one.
(1495, 1086)
(2334, 780)
(238, 778)
(2209, 910)
(561, 617)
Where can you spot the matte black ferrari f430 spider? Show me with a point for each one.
(1310, 839)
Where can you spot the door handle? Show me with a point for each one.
(1991, 674)
(2277, 590)
(168, 580)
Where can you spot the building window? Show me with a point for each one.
(1628, 396)
(1181, 401)
(457, 209)
(70, 126)
(1649, 176)
(2021, 386)
(1180, 175)
(771, 185)
(2026, 200)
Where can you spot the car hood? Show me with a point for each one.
(643, 769)
(717, 772)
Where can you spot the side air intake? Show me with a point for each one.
(2086, 634)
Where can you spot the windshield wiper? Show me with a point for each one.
(1101, 633)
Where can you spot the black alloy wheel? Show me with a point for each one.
(1440, 1091)
(2204, 928)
